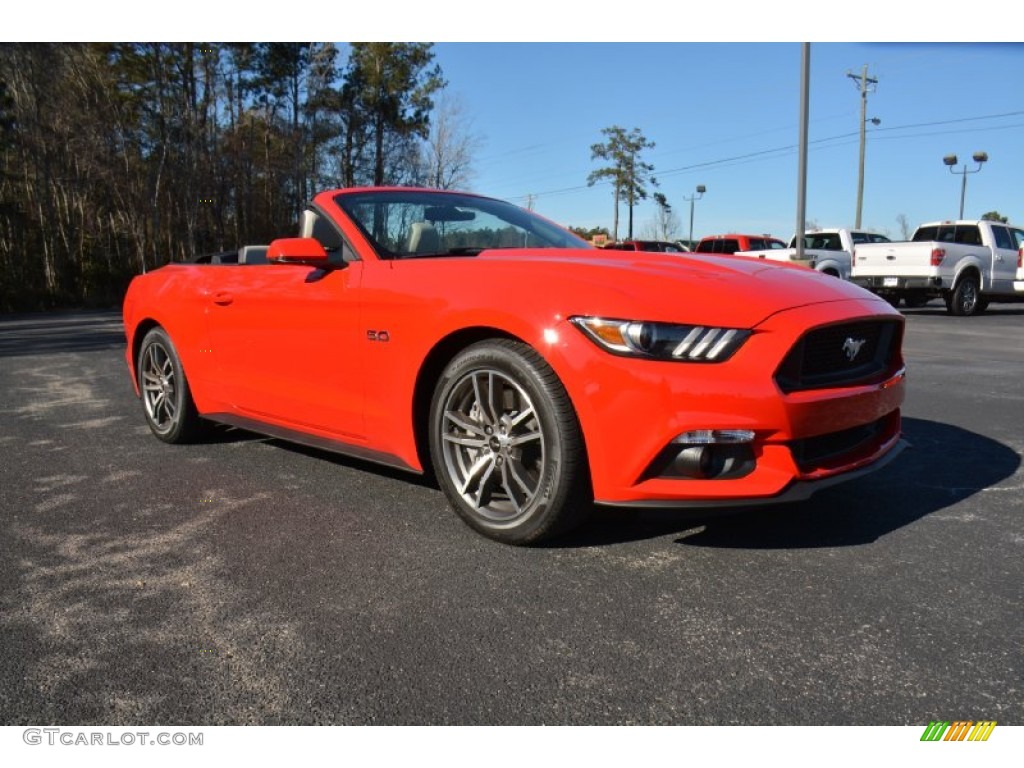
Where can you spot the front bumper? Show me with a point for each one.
(630, 410)
(798, 490)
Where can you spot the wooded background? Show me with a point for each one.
(118, 158)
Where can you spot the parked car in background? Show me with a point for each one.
(827, 250)
(729, 244)
(406, 327)
(965, 263)
(658, 246)
(1018, 283)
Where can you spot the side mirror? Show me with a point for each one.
(297, 250)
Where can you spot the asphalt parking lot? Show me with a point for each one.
(249, 581)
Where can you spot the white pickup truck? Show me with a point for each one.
(826, 250)
(966, 263)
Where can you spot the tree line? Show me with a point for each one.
(118, 158)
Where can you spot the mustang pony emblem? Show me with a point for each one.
(851, 347)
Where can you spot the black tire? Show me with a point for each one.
(166, 397)
(964, 300)
(506, 445)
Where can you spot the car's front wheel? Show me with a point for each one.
(506, 445)
(166, 397)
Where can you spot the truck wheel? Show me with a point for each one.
(964, 299)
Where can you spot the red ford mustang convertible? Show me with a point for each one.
(531, 373)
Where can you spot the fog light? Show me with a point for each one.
(695, 462)
(706, 454)
(715, 437)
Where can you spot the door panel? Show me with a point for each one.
(285, 342)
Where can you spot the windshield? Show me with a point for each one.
(403, 224)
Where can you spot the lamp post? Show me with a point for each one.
(701, 189)
(950, 160)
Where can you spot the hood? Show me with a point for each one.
(687, 287)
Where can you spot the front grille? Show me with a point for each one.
(840, 355)
(835, 448)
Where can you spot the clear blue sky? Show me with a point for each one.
(726, 116)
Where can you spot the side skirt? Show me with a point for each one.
(312, 441)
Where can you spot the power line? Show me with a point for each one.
(788, 148)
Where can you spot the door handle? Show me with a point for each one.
(223, 298)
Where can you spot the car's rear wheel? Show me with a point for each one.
(166, 397)
(506, 444)
(965, 298)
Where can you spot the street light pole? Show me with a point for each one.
(701, 189)
(950, 160)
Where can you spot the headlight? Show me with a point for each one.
(662, 341)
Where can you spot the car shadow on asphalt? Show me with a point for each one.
(945, 465)
(223, 433)
(352, 462)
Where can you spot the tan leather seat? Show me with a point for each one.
(423, 238)
(253, 254)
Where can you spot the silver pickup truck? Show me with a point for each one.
(965, 263)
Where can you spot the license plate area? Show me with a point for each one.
(890, 282)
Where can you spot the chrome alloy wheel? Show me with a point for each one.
(493, 445)
(159, 387)
(968, 297)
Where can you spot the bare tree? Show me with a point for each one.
(451, 145)
(905, 229)
(665, 224)
(119, 157)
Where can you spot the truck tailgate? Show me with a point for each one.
(902, 259)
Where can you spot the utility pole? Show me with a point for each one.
(865, 85)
